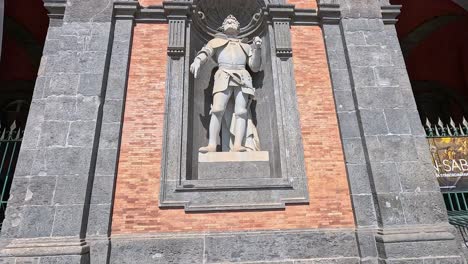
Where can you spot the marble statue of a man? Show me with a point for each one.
(231, 78)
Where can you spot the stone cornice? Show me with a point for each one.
(329, 13)
(125, 9)
(389, 14)
(176, 10)
(183, 10)
(55, 8)
(326, 13)
(296, 16)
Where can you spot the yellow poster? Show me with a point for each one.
(450, 156)
(450, 159)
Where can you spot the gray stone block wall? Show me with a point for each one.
(49, 208)
(293, 246)
(395, 197)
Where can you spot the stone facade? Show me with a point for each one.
(86, 187)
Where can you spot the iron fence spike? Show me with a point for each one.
(428, 123)
(449, 132)
(18, 134)
(461, 130)
(452, 123)
(439, 122)
(13, 126)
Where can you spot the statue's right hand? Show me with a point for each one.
(194, 68)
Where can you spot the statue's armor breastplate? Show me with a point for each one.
(232, 54)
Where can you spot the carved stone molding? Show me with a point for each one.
(281, 16)
(176, 13)
(125, 9)
(329, 13)
(176, 10)
(389, 14)
(46, 246)
(56, 8)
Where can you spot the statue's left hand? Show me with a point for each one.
(257, 42)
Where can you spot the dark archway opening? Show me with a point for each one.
(23, 28)
(433, 36)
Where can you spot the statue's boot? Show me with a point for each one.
(209, 148)
(239, 149)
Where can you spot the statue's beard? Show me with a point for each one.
(231, 30)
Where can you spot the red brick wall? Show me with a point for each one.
(150, 2)
(304, 3)
(136, 200)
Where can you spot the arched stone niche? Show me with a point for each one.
(210, 14)
(282, 180)
(207, 17)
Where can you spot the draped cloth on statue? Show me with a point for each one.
(251, 140)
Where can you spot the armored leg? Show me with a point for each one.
(240, 109)
(220, 101)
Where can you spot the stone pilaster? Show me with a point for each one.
(100, 214)
(398, 207)
(48, 211)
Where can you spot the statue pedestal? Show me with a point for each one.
(233, 165)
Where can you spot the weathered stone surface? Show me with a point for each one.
(344, 101)
(66, 220)
(63, 259)
(80, 134)
(165, 250)
(385, 177)
(40, 191)
(373, 122)
(424, 207)
(358, 177)
(99, 217)
(279, 246)
(349, 124)
(89, 11)
(90, 84)
(328, 261)
(102, 189)
(30, 216)
(70, 190)
(354, 152)
(391, 212)
(27, 260)
(366, 215)
(54, 133)
(398, 121)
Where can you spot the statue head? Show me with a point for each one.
(231, 26)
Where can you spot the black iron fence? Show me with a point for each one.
(10, 143)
